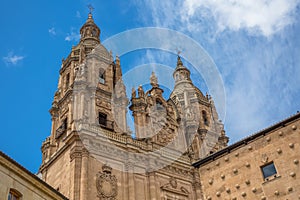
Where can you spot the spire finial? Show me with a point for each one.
(179, 62)
(153, 80)
(178, 52)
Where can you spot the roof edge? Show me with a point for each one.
(246, 140)
(9, 159)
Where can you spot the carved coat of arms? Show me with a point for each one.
(106, 184)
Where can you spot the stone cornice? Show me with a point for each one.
(69, 140)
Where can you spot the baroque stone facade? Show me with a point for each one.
(179, 150)
(89, 130)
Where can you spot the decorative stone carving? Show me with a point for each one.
(292, 174)
(247, 182)
(228, 190)
(264, 158)
(172, 188)
(106, 184)
(279, 151)
(173, 182)
(247, 164)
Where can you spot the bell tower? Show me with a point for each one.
(90, 90)
(204, 132)
(62, 108)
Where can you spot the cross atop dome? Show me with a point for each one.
(90, 32)
(91, 8)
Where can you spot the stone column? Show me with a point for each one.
(75, 157)
(81, 106)
(197, 185)
(130, 179)
(84, 175)
(92, 109)
(152, 185)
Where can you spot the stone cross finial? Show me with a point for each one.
(178, 51)
(91, 8)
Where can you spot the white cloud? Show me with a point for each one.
(258, 17)
(73, 36)
(260, 73)
(266, 16)
(12, 58)
(52, 31)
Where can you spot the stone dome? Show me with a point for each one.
(100, 52)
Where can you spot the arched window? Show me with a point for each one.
(65, 124)
(14, 195)
(94, 33)
(67, 80)
(102, 76)
(159, 105)
(205, 119)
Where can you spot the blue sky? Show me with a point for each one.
(254, 44)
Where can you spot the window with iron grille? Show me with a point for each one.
(268, 170)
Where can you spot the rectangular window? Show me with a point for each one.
(269, 170)
(159, 105)
(102, 119)
(67, 80)
(62, 129)
(65, 124)
(14, 195)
